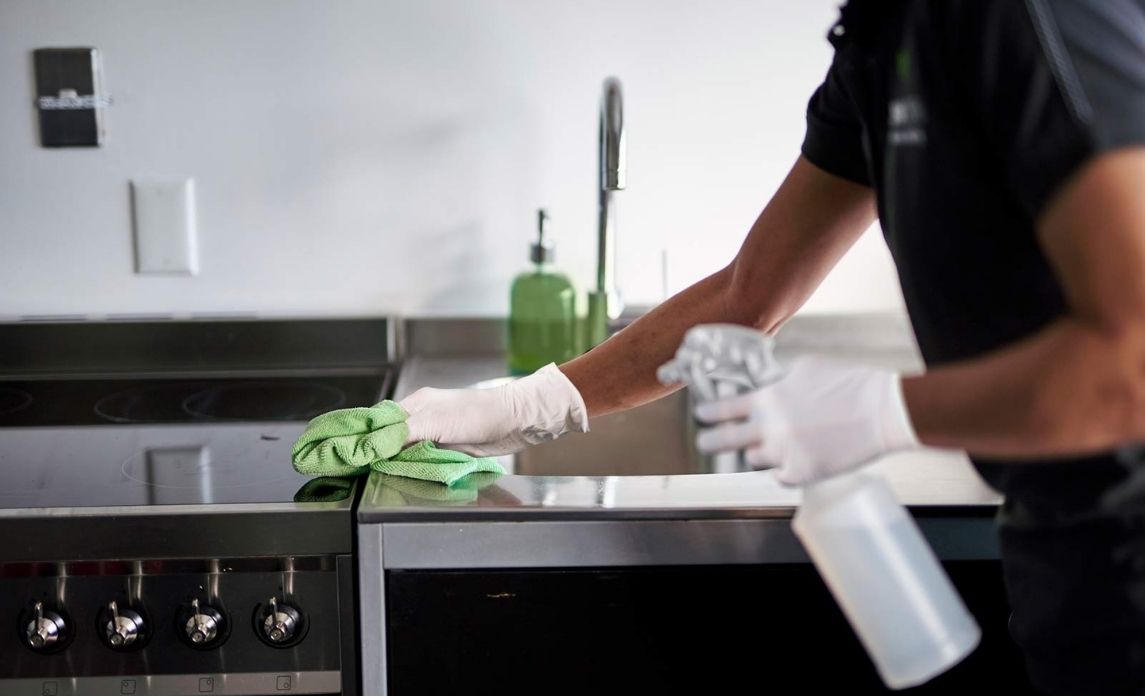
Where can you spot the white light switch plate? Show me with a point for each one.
(164, 217)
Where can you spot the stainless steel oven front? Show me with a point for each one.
(653, 584)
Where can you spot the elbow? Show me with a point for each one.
(1120, 389)
(1121, 405)
(1105, 406)
(1124, 400)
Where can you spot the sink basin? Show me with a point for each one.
(653, 439)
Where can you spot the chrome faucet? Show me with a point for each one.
(604, 301)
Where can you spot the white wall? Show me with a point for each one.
(356, 156)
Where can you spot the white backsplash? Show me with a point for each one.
(359, 156)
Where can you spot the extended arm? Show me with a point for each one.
(811, 221)
(813, 218)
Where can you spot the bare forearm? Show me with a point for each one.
(621, 372)
(811, 221)
(1073, 388)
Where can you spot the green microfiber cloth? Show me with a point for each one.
(395, 491)
(351, 440)
(325, 489)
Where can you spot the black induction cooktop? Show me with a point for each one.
(140, 441)
(195, 413)
(113, 466)
(140, 400)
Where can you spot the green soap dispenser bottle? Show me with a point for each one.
(542, 311)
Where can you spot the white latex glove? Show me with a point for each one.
(500, 420)
(821, 419)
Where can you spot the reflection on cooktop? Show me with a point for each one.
(143, 401)
(152, 404)
(264, 401)
(12, 400)
(189, 474)
(154, 464)
(325, 489)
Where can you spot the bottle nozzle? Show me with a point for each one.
(542, 249)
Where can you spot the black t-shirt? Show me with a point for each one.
(966, 116)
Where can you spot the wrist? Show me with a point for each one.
(577, 409)
(547, 405)
(897, 428)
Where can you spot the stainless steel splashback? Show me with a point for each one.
(182, 346)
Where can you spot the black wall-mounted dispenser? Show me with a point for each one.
(69, 97)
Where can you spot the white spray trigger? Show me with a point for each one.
(715, 354)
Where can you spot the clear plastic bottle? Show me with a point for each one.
(863, 542)
(885, 578)
(542, 311)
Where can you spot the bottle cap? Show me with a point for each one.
(542, 250)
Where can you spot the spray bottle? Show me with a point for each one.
(863, 542)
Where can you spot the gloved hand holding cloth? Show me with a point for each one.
(500, 420)
(353, 441)
(443, 435)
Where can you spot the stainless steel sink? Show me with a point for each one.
(653, 439)
(656, 439)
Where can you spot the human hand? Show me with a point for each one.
(820, 419)
(500, 420)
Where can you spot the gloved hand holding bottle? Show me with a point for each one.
(820, 419)
(812, 422)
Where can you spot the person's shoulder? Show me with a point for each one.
(1096, 49)
(1072, 24)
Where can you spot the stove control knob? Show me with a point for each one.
(204, 624)
(124, 627)
(46, 630)
(281, 623)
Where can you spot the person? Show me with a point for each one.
(1002, 147)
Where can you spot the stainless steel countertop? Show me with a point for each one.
(931, 482)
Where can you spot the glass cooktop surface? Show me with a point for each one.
(143, 442)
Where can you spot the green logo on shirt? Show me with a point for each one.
(902, 64)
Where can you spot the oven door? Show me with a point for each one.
(636, 608)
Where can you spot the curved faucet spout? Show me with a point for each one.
(612, 172)
(612, 156)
